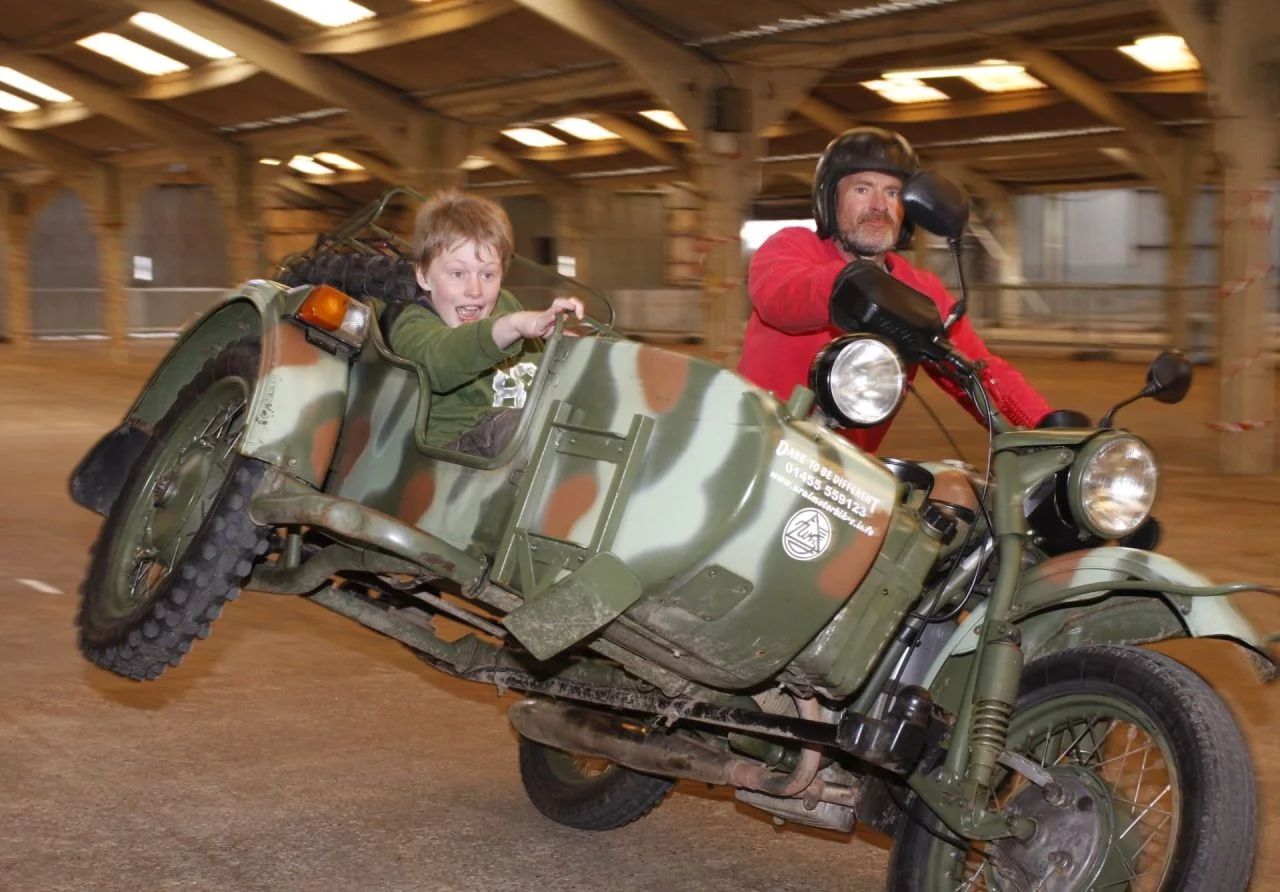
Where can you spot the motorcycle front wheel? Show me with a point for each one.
(1162, 743)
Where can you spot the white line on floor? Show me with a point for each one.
(40, 586)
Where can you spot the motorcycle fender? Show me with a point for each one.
(298, 383)
(300, 401)
(1053, 613)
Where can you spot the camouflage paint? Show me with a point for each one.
(1052, 621)
(299, 403)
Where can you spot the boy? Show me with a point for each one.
(467, 333)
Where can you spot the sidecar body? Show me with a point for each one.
(648, 495)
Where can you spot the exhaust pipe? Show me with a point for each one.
(601, 735)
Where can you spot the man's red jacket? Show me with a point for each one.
(790, 282)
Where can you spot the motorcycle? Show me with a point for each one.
(687, 578)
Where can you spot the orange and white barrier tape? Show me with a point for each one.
(1239, 427)
(1240, 365)
(1235, 286)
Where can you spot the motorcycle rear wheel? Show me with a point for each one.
(178, 541)
(584, 793)
(1163, 743)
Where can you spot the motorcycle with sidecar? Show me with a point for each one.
(687, 578)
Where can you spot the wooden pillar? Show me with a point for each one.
(438, 149)
(1180, 200)
(1246, 385)
(105, 203)
(1009, 304)
(577, 215)
(17, 234)
(241, 188)
(728, 183)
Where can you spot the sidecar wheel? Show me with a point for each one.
(587, 794)
(178, 541)
(1164, 745)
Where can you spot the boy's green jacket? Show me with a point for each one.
(467, 371)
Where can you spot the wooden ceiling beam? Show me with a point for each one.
(428, 20)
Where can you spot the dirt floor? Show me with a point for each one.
(297, 750)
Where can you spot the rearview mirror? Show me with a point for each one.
(1169, 377)
(937, 203)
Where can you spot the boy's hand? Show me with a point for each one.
(532, 323)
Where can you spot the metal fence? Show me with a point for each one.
(1101, 316)
(67, 313)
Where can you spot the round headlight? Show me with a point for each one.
(859, 381)
(1113, 486)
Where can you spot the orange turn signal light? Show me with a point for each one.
(325, 308)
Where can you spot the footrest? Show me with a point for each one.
(572, 608)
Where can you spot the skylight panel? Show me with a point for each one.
(533, 137)
(307, 164)
(175, 33)
(583, 128)
(664, 118)
(11, 103)
(134, 55)
(1162, 52)
(906, 90)
(32, 86)
(341, 162)
(329, 13)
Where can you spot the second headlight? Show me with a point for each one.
(858, 380)
(1112, 485)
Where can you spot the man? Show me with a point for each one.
(859, 214)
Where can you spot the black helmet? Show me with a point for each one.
(857, 149)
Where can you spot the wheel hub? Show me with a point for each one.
(1074, 826)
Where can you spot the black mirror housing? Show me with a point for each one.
(1169, 377)
(936, 203)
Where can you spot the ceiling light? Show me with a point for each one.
(532, 137)
(11, 103)
(175, 33)
(270, 162)
(333, 159)
(664, 118)
(330, 13)
(992, 75)
(126, 52)
(1162, 52)
(583, 128)
(307, 164)
(475, 162)
(31, 85)
(905, 90)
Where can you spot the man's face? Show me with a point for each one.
(464, 281)
(868, 213)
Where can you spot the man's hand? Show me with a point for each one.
(533, 323)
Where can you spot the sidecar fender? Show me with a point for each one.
(1072, 601)
(295, 414)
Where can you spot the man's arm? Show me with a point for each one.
(1017, 400)
(790, 281)
(451, 356)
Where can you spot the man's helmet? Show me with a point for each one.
(858, 149)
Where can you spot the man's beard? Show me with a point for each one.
(871, 246)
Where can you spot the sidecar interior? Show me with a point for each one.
(379, 343)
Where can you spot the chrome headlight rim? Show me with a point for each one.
(1090, 452)
(820, 373)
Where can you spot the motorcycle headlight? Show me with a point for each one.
(858, 380)
(1112, 485)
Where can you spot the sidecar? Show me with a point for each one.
(643, 485)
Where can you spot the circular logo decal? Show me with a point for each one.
(807, 534)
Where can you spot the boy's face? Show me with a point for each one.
(464, 281)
